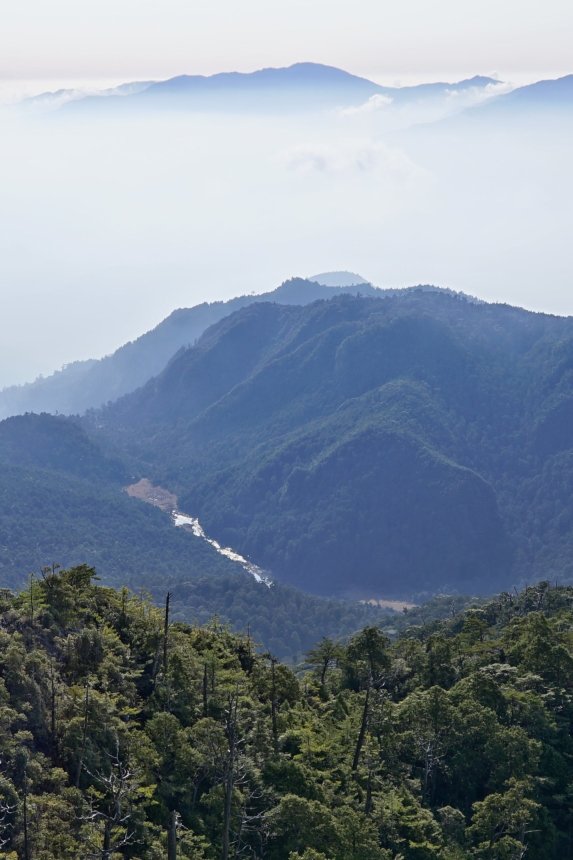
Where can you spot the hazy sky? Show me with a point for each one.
(397, 40)
(107, 226)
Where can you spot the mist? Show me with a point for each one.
(109, 221)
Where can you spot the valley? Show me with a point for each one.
(365, 444)
(161, 498)
(286, 430)
(355, 445)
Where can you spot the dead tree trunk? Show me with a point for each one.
(362, 732)
(84, 736)
(274, 705)
(172, 837)
(166, 632)
(229, 774)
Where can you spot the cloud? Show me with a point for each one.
(375, 103)
(353, 157)
(461, 99)
(391, 114)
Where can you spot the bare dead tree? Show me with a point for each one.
(229, 775)
(172, 835)
(7, 812)
(84, 735)
(250, 823)
(166, 632)
(274, 705)
(113, 810)
(49, 573)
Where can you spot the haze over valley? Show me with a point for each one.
(465, 185)
(336, 431)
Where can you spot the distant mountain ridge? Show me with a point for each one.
(339, 279)
(89, 384)
(544, 94)
(540, 99)
(306, 86)
(301, 86)
(58, 98)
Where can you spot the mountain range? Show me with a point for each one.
(387, 445)
(89, 384)
(542, 95)
(352, 442)
(302, 86)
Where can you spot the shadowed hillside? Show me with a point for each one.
(89, 384)
(365, 445)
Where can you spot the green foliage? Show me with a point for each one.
(116, 742)
(51, 516)
(283, 619)
(61, 500)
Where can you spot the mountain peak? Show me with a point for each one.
(339, 279)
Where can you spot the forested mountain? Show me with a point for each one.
(379, 446)
(62, 501)
(126, 734)
(88, 384)
(389, 445)
(56, 444)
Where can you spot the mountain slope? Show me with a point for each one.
(549, 94)
(61, 501)
(57, 444)
(89, 384)
(450, 742)
(536, 105)
(386, 445)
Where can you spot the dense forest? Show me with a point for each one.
(125, 733)
(61, 501)
(89, 384)
(421, 441)
(360, 447)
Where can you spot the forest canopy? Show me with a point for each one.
(125, 733)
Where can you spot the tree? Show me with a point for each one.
(366, 661)
(502, 822)
(323, 657)
(112, 798)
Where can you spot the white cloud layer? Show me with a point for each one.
(355, 156)
(375, 103)
(107, 225)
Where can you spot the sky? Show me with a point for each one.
(106, 227)
(391, 40)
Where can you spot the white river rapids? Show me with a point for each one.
(185, 521)
(164, 499)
